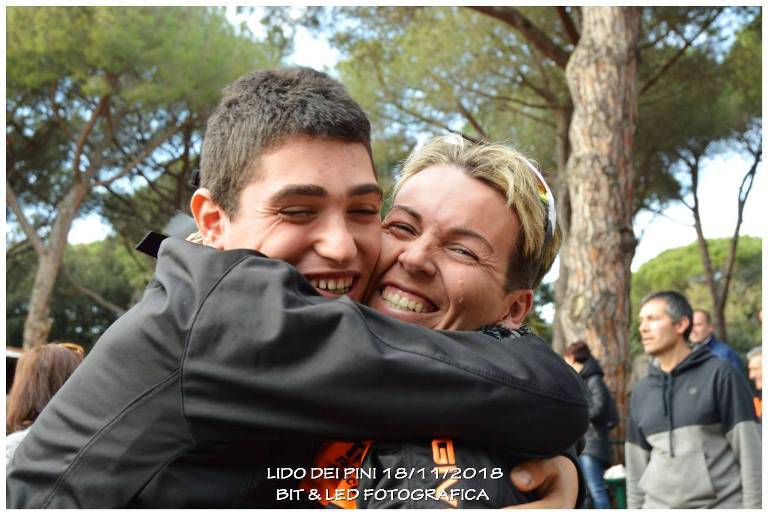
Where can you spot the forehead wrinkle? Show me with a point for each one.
(304, 190)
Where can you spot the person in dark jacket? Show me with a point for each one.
(703, 333)
(233, 365)
(596, 456)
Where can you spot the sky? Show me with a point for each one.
(718, 188)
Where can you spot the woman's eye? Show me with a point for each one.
(463, 252)
(401, 228)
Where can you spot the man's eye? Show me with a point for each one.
(297, 212)
(364, 211)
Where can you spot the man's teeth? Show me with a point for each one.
(402, 303)
(338, 285)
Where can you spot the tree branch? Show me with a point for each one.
(503, 98)
(432, 121)
(688, 42)
(149, 147)
(570, 28)
(100, 107)
(13, 203)
(747, 181)
(531, 32)
(472, 120)
(98, 299)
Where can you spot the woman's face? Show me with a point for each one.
(446, 249)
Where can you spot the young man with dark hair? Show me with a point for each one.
(692, 437)
(232, 365)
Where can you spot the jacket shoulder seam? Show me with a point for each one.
(187, 337)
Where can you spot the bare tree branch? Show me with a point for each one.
(744, 188)
(472, 120)
(658, 212)
(98, 299)
(100, 107)
(570, 28)
(20, 248)
(535, 36)
(504, 98)
(149, 147)
(688, 42)
(432, 121)
(13, 203)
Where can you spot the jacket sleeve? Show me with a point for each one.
(742, 432)
(266, 356)
(637, 453)
(596, 398)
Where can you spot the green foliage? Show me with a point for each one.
(148, 207)
(98, 96)
(159, 67)
(107, 267)
(163, 55)
(413, 78)
(428, 70)
(680, 269)
(743, 65)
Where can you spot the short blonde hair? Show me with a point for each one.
(513, 176)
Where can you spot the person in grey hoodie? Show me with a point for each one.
(693, 440)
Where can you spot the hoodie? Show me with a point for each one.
(692, 438)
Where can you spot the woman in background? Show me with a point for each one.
(40, 373)
(603, 416)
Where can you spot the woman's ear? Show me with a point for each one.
(518, 304)
(209, 217)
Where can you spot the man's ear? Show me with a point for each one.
(209, 217)
(519, 303)
(682, 325)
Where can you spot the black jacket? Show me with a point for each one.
(596, 440)
(231, 363)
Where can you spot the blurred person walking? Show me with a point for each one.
(603, 416)
(40, 372)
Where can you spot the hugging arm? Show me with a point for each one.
(228, 348)
(305, 366)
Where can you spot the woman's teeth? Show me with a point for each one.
(402, 302)
(338, 285)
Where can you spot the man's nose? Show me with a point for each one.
(336, 242)
(417, 257)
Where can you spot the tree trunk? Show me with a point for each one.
(562, 151)
(37, 325)
(602, 78)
